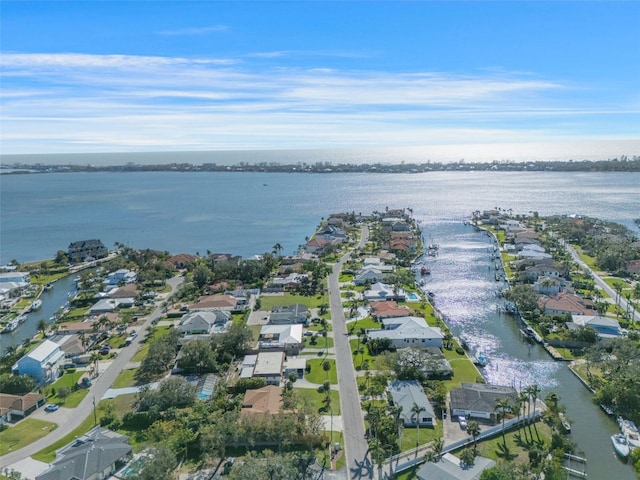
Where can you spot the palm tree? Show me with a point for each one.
(277, 248)
(473, 429)
(42, 326)
(503, 406)
(416, 410)
(533, 391)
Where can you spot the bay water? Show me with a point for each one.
(248, 213)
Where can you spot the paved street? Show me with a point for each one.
(358, 463)
(97, 390)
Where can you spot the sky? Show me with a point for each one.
(127, 76)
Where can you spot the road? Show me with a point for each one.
(357, 462)
(97, 390)
(600, 282)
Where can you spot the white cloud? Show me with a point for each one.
(194, 30)
(82, 102)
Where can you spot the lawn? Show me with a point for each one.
(317, 327)
(427, 434)
(463, 371)
(116, 341)
(125, 379)
(320, 342)
(614, 281)
(314, 397)
(360, 357)
(366, 323)
(267, 302)
(144, 349)
(317, 373)
(23, 434)
(68, 380)
(590, 261)
(493, 448)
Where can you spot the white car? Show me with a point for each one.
(462, 420)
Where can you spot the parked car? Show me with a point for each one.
(86, 382)
(105, 349)
(52, 407)
(462, 420)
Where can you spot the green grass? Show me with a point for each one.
(614, 281)
(116, 341)
(23, 434)
(317, 373)
(125, 379)
(315, 399)
(408, 474)
(360, 358)
(317, 327)
(463, 371)
(144, 349)
(320, 342)
(427, 434)
(367, 323)
(268, 301)
(68, 380)
(590, 261)
(345, 277)
(492, 448)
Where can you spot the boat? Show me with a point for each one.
(424, 271)
(630, 432)
(11, 326)
(35, 305)
(48, 287)
(620, 445)
(607, 409)
(22, 318)
(565, 423)
(480, 359)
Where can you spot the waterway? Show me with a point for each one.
(52, 301)
(463, 281)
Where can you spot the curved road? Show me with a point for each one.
(96, 391)
(356, 448)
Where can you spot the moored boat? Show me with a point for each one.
(480, 359)
(565, 423)
(22, 318)
(35, 305)
(11, 326)
(620, 445)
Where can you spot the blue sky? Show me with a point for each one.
(157, 76)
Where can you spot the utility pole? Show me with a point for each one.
(95, 418)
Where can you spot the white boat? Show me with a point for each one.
(630, 432)
(11, 326)
(620, 445)
(22, 318)
(35, 305)
(480, 359)
(565, 423)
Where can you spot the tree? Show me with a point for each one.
(467, 457)
(201, 276)
(197, 357)
(277, 249)
(42, 326)
(416, 410)
(158, 465)
(503, 406)
(326, 366)
(473, 429)
(16, 384)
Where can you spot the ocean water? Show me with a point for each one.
(247, 213)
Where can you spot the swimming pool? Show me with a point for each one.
(412, 297)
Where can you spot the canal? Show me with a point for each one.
(52, 301)
(463, 280)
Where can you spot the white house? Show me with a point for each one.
(270, 365)
(451, 468)
(408, 332)
(204, 322)
(381, 291)
(287, 338)
(42, 363)
(14, 277)
(605, 327)
(122, 275)
(369, 274)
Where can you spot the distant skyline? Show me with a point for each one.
(81, 77)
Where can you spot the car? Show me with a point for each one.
(86, 382)
(104, 350)
(52, 407)
(308, 333)
(133, 334)
(462, 420)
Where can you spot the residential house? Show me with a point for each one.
(548, 285)
(369, 275)
(248, 365)
(262, 401)
(478, 400)
(288, 283)
(408, 332)
(126, 291)
(107, 305)
(86, 250)
(287, 338)
(381, 291)
(121, 276)
(533, 251)
(430, 361)
(605, 327)
(16, 407)
(289, 314)
(316, 245)
(451, 468)
(562, 303)
(181, 261)
(96, 455)
(389, 309)
(270, 365)
(226, 303)
(14, 277)
(633, 267)
(42, 363)
(407, 394)
(205, 322)
(297, 365)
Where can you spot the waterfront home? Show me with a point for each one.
(16, 407)
(317, 245)
(381, 291)
(287, 283)
(15, 277)
(181, 260)
(478, 400)
(269, 365)
(289, 314)
(548, 285)
(204, 322)
(407, 394)
(287, 338)
(262, 401)
(107, 305)
(389, 309)
(429, 361)
(605, 327)
(562, 303)
(84, 250)
(451, 468)
(96, 455)
(42, 363)
(408, 332)
(533, 251)
(126, 291)
(121, 276)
